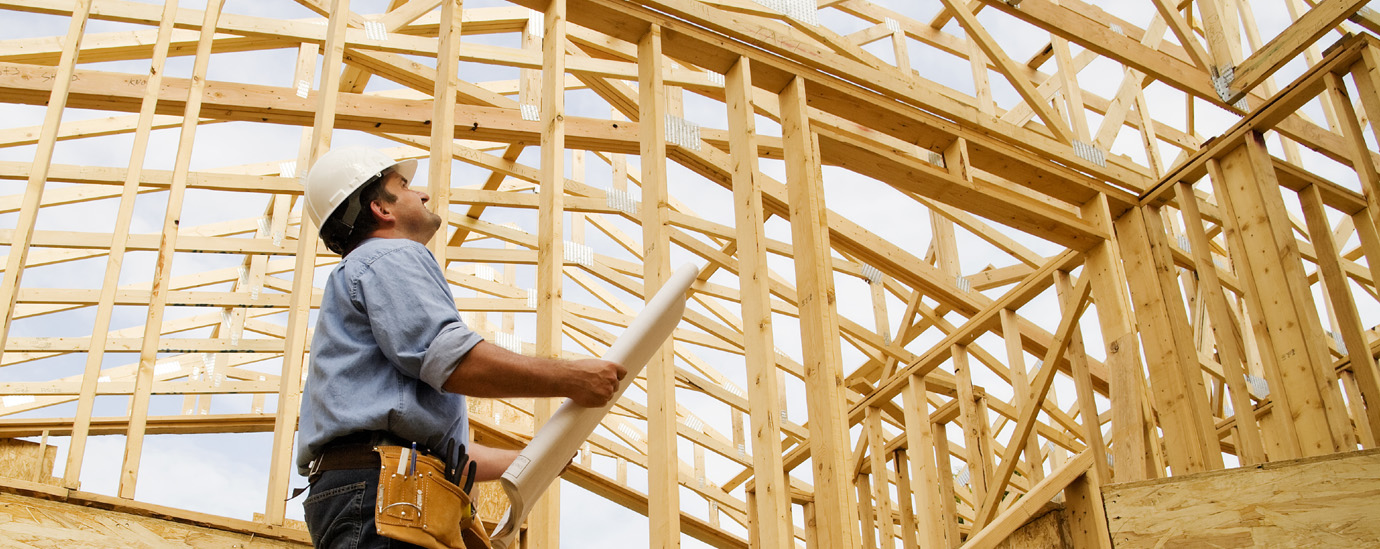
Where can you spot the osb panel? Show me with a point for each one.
(20, 459)
(1047, 531)
(489, 498)
(31, 522)
(1328, 501)
(290, 523)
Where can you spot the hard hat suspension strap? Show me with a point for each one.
(352, 209)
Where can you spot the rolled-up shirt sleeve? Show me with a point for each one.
(445, 353)
(413, 316)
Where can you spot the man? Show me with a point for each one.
(391, 359)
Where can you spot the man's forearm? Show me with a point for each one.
(492, 461)
(490, 371)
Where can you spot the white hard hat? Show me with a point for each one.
(339, 172)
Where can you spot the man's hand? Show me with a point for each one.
(592, 381)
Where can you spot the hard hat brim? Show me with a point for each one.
(406, 168)
(341, 173)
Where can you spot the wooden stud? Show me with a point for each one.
(119, 238)
(982, 85)
(443, 123)
(38, 171)
(819, 322)
(885, 526)
(290, 394)
(664, 496)
(529, 90)
(867, 512)
(1148, 135)
(928, 477)
(1073, 94)
(754, 536)
(1015, 359)
(1281, 301)
(1339, 294)
(948, 516)
(975, 426)
(1250, 449)
(1087, 516)
(1175, 377)
(773, 528)
(1131, 432)
(881, 321)
(1082, 381)
(1281, 440)
(544, 521)
(148, 353)
(1357, 404)
(908, 530)
(901, 50)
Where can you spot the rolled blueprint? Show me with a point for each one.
(560, 438)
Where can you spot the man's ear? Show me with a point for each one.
(382, 211)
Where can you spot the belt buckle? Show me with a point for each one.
(314, 470)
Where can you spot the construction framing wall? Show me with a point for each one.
(961, 258)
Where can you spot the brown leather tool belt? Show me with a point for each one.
(419, 499)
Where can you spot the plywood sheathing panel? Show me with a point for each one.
(37, 515)
(24, 460)
(1327, 501)
(37, 523)
(1048, 531)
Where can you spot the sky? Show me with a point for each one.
(221, 464)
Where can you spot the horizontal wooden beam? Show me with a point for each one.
(1266, 116)
(256, 103)
(157, 425)
(1299, 36)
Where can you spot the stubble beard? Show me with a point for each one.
(433, 224)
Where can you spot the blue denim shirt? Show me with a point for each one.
(387, 337)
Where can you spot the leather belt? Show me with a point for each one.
(353, 451)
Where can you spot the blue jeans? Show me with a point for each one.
(340, 511)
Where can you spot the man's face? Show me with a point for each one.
(412, 219)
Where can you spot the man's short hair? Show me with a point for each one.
(342, 238)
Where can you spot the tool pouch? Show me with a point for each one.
(421, 507)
